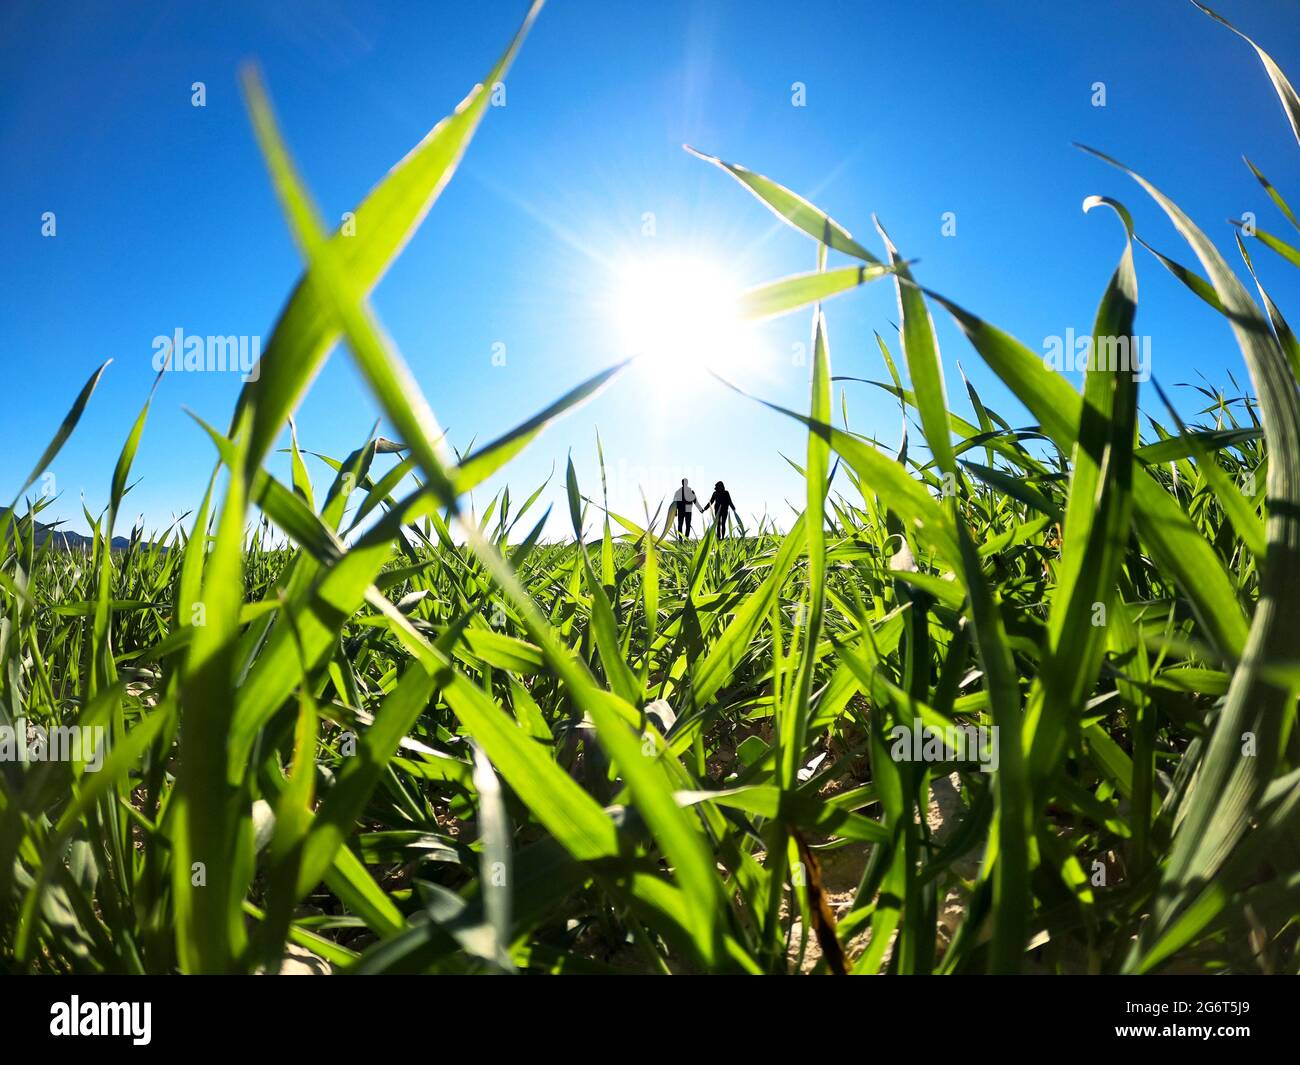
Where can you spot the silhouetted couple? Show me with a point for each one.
(685, 498)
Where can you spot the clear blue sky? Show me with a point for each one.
(165, 218)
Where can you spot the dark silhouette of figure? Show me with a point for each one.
(721, 503)
(683, 499)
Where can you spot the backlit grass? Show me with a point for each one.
(345, 716)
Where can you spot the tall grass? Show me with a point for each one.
(376, 728)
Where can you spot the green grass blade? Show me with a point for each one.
(792, 208)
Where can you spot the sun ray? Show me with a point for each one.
(681, 315)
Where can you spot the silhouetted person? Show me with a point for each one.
(721, 503)
(683, 499)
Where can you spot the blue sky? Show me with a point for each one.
(165, 218)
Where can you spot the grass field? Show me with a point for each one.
(352, 722)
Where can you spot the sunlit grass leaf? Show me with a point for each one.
(921, 349)
(792, 208)
(1285, 93)
(1096, 527)
(1178, 548)
(1226, 787)
(1273, 194)
(775, 298)
(381, 225)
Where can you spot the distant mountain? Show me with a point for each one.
(70, 541)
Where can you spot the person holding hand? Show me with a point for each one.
(683, 499)
(722, 505)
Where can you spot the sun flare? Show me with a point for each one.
(681, 315)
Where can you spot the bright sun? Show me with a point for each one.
(681, 315)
